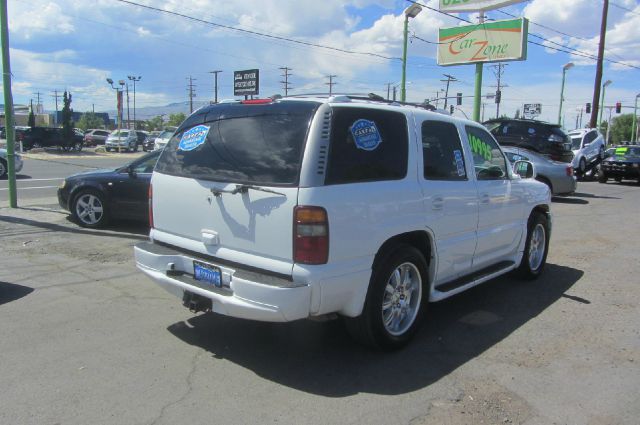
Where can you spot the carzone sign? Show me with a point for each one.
(474, 5)
(497, 41)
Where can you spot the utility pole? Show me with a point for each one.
(593, 123)
(192, 94)
(498, 70)
(134, 79)
(128, 116)
(55, 95)
(331, 83)
(389, 90)
(450, 79)
(38, 103)
(285, 84)
(8, 104)
(215, 89)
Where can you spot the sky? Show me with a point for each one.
(76, 45)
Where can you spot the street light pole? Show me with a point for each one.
(634, 131)
(410, 12)
(134, 79)
(564, 72)
(604, 86)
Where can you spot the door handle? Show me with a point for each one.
(437, 203)
(484, 198)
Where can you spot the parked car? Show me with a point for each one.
(149, 142)
(588, 147)
(96, 197)
(279, 210)
(3, 163)
(163, 138)
(624, 164)
(142, 137)
(95, 137)
(538, 136)
(122, 140)
(43, 137)
(559, 176)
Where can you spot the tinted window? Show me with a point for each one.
(514, 129)
(247, 144)
(367, 145)
(146, 164)
(513, 157)
(442, 152)
(590, 137)
(488, 160)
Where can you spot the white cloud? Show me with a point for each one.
(36, 17)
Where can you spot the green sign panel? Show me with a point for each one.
(497, 41)
(474, 5)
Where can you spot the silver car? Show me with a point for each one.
(122, 140)
(558, 176)
(587, 146)
(3, 163)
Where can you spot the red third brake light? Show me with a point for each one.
(310, 235)
(150, 206)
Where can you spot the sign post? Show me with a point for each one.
(246, 83)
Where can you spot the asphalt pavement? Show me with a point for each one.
(43, 171)
(85, 338)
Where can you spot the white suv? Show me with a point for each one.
(587, 145)
(118, 140)
(304, 207)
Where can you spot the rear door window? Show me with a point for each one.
(367, 145)
(260, 144)
(488, 160)
(442, 152)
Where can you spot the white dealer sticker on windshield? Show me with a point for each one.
(366, 135)
(193, 138)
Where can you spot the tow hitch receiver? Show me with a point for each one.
(195, 302)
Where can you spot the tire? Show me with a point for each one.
(388, 321)
(618, 179)
(536, 247)
(67, 148)
(77, 146)
(89, 209)
(601, 153)
(107, 149)
(3, 168)
(602, 177)
(582, 166)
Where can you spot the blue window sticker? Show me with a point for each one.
(193, 138)
(366, 135)
(457, 154)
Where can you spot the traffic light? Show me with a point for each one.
(618, 107)
(459, 99)
(451, 109)
(588, 108)
(498, 95)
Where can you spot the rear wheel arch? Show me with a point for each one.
(419, 239)
(543, 179)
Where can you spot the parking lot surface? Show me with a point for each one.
(86, 338)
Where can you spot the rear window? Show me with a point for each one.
(261, 144)
(367, 145)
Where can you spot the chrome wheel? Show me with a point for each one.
(401, 299)
(89, 209)
(3, 169)
(537, 247)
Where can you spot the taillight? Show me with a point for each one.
(150, 206)
(310, 235)
(569, 171)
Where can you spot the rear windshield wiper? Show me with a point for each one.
(243, 188)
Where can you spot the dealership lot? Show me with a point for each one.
(86, 338)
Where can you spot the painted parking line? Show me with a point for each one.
(38, 180)
(27, 188)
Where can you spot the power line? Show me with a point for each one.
(261, 34)
(624, 8)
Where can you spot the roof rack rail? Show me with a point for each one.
(372, 97)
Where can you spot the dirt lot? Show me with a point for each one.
(86, 339)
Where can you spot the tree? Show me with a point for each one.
(621, 128)
(32, 118)
(176, 119)
(517, 113)
(89, 120)
(156, 123)
(603, 129)
(67, 124)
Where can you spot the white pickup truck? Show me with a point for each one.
(279, 210)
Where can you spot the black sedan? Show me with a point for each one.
(623, 164)
(95, 197)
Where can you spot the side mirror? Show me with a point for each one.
(131, 171)
(524, 169)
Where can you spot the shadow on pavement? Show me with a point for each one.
(10, 292)
(320, 358)
(564, 200)
(125, 230)
(591, 195)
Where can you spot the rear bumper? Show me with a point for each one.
(245, 294)
(623, 171)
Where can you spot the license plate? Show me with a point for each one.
(207, 273)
